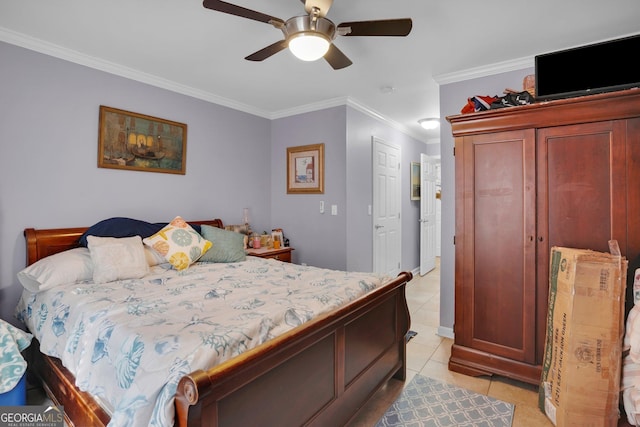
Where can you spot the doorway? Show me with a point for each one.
(387, 234)
(428, 222)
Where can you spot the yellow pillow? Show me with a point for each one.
(178, 243)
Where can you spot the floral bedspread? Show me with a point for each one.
(129, 342)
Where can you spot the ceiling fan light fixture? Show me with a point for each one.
(429, 124)
(308, 46)
(309, 37)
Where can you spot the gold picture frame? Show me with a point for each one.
(133, 141)
(305, 169)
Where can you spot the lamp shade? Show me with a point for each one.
(308, 46)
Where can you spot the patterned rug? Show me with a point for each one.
(426, 402)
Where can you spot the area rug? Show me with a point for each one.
(426, 402)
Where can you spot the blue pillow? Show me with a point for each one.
(228, 246)
(121, 227)
(125, 227)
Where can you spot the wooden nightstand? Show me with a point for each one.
(281, 254)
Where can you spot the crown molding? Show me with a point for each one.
(79, 58)
(307, 108)
(376, 115)
(350, 102)
(485, 70)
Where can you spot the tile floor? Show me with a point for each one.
(428, 355)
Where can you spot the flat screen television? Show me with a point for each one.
(595, 68)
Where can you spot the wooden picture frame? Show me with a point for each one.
(415, 180)
(133, 141)
(305, 169)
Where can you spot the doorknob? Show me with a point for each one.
(379, 226)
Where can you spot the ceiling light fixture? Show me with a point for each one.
(309, 36)
(429, 124)
(308, 46)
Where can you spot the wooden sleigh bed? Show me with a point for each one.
(347, 354)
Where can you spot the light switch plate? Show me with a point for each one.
(334, 209)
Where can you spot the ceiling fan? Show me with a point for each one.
(310, 37)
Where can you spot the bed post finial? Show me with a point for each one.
(189, 393)
(189, 386)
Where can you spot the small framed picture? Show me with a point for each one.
(305, 169)
(415, 181)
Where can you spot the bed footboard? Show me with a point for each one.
(321, 373)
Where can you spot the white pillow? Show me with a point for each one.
(71, 266)
(117, 258)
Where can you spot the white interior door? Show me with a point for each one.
(438, 210)
(386, 208)
(428, 233)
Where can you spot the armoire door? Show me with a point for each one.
(582, 195)
(495, 244)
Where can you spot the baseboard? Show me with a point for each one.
(445, 332)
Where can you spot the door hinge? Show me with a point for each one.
(454, 151)
(454, 240)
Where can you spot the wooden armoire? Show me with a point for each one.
(558, 173)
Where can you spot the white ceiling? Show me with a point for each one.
(180, 45)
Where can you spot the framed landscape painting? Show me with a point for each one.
(305, 169)
(138, 142)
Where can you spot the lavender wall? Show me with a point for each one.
(49, 176)
(361, 128)
(318, 239)
(453, 97)
(343, 241)
(48, 157)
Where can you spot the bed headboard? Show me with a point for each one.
(44, 242)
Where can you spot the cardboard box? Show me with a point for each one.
(580, 381)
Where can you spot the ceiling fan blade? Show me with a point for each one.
(336, 58)
(232, 9)
(322, 5)
(268, 51)
(385, 27)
